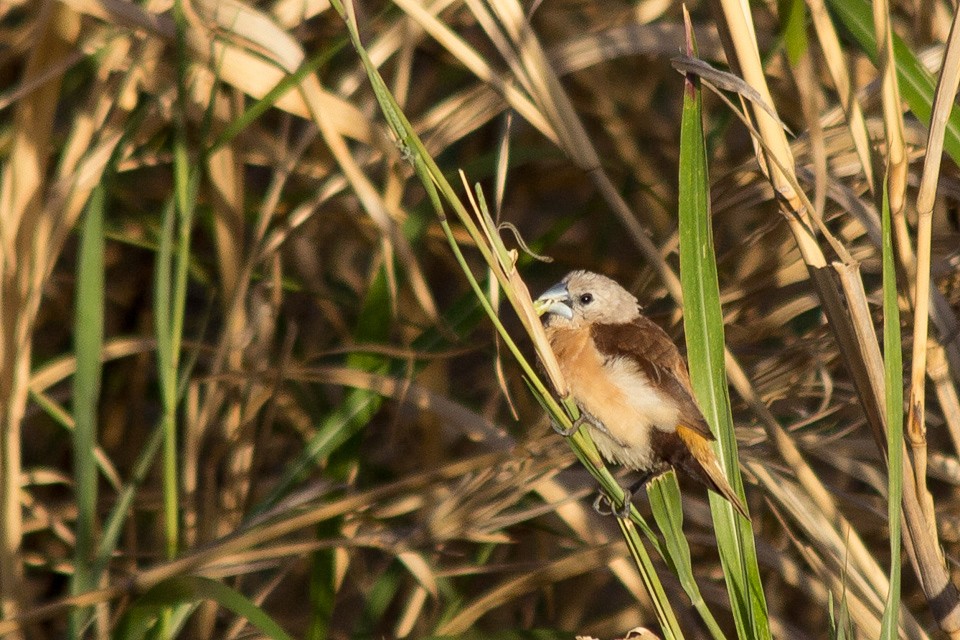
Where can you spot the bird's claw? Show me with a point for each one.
(598, 504)
(623, 513)
(566, 433)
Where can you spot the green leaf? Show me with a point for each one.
(88, 338)
(703, 324)
(664, 493)
(794, 17)
(893, 378)
(186, 590)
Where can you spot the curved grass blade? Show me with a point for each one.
(188, 590)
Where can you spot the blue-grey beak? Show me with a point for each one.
(556, 300)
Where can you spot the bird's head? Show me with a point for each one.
(583, 298)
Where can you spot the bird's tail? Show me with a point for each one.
(707, 469)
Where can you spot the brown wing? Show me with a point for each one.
(655, 354)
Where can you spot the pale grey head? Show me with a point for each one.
(584, 298)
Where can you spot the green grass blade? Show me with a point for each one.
(664, 495)
(358, 406)
(113, 524)
(167, 373)
(703, 324)
(917, 85)
(893, 374)
(88, 337)
(651, 581)
(289, 82)
(171, 289)
(793, 18)
(187, 590)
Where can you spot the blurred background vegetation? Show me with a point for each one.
(239, 363)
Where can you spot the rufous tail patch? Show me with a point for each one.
(701, 450)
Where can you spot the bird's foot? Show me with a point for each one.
(604, 505)
(566, 433)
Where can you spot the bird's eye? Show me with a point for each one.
(586, 298)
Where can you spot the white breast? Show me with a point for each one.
(627, 420)
(650, 406)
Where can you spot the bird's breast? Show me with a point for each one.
(618, 395)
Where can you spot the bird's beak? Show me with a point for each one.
(556, 300)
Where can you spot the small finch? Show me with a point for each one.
(630, 383)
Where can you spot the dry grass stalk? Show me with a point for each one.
(837, 65)
(896, 169)
(778, 165)
(916, 424)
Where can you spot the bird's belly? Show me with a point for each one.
(625, 406)
(637, 454)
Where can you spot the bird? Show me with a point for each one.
(630, 383)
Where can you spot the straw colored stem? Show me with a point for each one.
(836, 64)
(892, 111)
(943, 102)
(780, 168)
